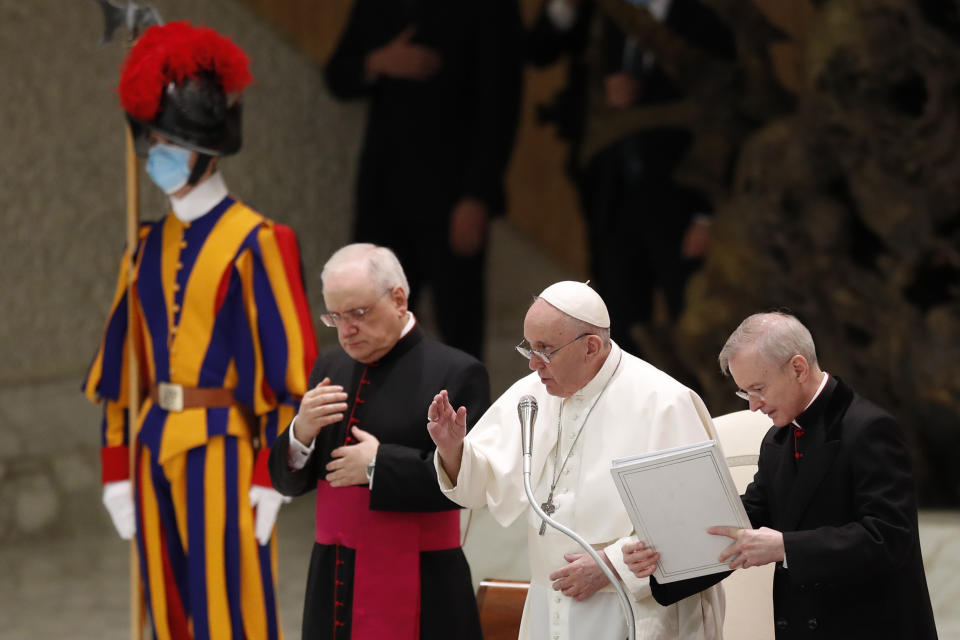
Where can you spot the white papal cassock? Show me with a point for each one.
(638, 409)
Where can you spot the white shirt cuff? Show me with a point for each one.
(297, 453)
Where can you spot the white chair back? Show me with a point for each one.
(749, 592)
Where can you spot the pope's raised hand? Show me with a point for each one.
(448, 428)
(321, 406)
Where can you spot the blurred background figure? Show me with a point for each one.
(646, 231)
(443, 82)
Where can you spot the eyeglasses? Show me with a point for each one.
(746, 395)
(527, 351)
(353, 316)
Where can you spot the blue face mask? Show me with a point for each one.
(169, 166)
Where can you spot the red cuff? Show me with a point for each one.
(261, 472)
(114, 464)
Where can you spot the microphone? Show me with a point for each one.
(527, 412)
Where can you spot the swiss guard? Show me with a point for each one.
(222, 344)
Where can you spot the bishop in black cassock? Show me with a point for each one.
(387, 561)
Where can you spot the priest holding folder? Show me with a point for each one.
(596, 403)
(832, 501)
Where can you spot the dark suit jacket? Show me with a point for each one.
(848, 514)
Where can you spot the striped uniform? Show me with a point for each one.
(219, 303)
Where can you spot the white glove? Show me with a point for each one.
(118, 499)
(267, 502)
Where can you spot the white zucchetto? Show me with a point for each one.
(578, 300)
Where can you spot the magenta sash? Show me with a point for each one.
(386, 574)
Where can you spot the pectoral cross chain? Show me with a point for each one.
(548, 508)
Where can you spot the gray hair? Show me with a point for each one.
(777, 336)
(580, 326)
(383, 267)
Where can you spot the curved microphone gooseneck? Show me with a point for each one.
(527, 412)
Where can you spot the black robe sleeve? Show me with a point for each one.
(296, 482)
(667, 594)
(288, 481)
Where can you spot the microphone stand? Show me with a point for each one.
(527, 435)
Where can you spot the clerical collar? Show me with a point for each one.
(411, 320)
(201, 199)
(603, 376)
(823, 385)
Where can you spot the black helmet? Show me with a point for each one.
(184, 83)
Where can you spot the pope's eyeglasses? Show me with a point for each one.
(527, 351)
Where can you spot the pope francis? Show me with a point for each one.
(596, 403)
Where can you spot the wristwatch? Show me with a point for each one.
(370, 469)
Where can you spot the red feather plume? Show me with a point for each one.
(174, 51)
